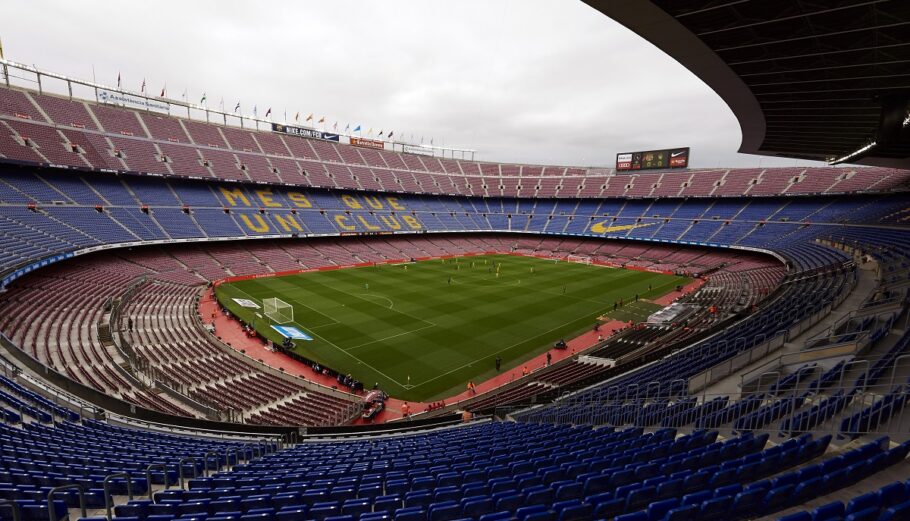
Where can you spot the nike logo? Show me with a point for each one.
(677, 154)
(602, 227)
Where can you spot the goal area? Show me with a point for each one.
(580, 259)
(278, 310)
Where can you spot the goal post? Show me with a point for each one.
(278, 310)
(580, 259)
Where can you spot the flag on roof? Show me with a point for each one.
(202, 101)
(237, 107)
(1, 49)
(357, 128)
(163, 91)
(391, 133)
(268, 112)
(118, 80)
(310, 117)
(321, 120)
(335, 126)
(381, 133)
(297, 117)
(347, 127)
(143, 85)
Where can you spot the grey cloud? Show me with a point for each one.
(538, 81)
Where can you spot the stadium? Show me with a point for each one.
(213, 316)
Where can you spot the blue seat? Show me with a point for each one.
(576, 512)
(496, 516)
(376, 516)
(716, 508)
(633, 516)
(356, 507)
(510, 502)
(410, 514)
(261, 516)
(446, 511)
(658, 509)
(777, 498)
(862, 502)
(292, 514)
(638, 499)
(747, 502)
(476, 507)
(898, 512)
(867, 514)
(321, 512)
(829, 511)
(540, 497)
(523, 512)
(419, 498)
(683, 513)
(797, 516)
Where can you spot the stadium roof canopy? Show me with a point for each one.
(809, 79)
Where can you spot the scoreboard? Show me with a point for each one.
(652, 159)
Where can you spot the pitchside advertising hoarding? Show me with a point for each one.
(419, 150)
(133, 102)
(653, 159)
(367, 143)
(304, 132)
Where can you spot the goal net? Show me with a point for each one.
(278, 310)
(581, 259)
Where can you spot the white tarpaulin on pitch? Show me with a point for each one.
(247, 303)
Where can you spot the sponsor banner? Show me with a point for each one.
(411, 149)
(130, 101)
(623, 161)
(245, 302)
(367, 143)
(34, 266)
(292, 332)
(311, 133)
(679, 158)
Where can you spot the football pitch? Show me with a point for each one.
(422, 330)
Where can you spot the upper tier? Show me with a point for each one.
(46, 129)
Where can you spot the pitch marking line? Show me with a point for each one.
(412, 317)
(329, 342)
(370, 295)
(493, 354)
(390, 337)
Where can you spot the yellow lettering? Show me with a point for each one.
(267, 200)
(393, 202)
(299, 200)
(371, 227)
(232, 195)
(374, 202)
(351, 202)
(262, 227)
(287, 222)
(341, 221)
(390, 221)
(412, 222)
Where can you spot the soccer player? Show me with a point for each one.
(450, 281)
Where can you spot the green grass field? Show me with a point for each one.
(421, 337)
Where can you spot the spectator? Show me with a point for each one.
(549, 357)
(498, 363)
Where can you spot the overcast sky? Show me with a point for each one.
(535, 81)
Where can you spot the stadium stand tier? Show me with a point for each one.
(114, 223)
